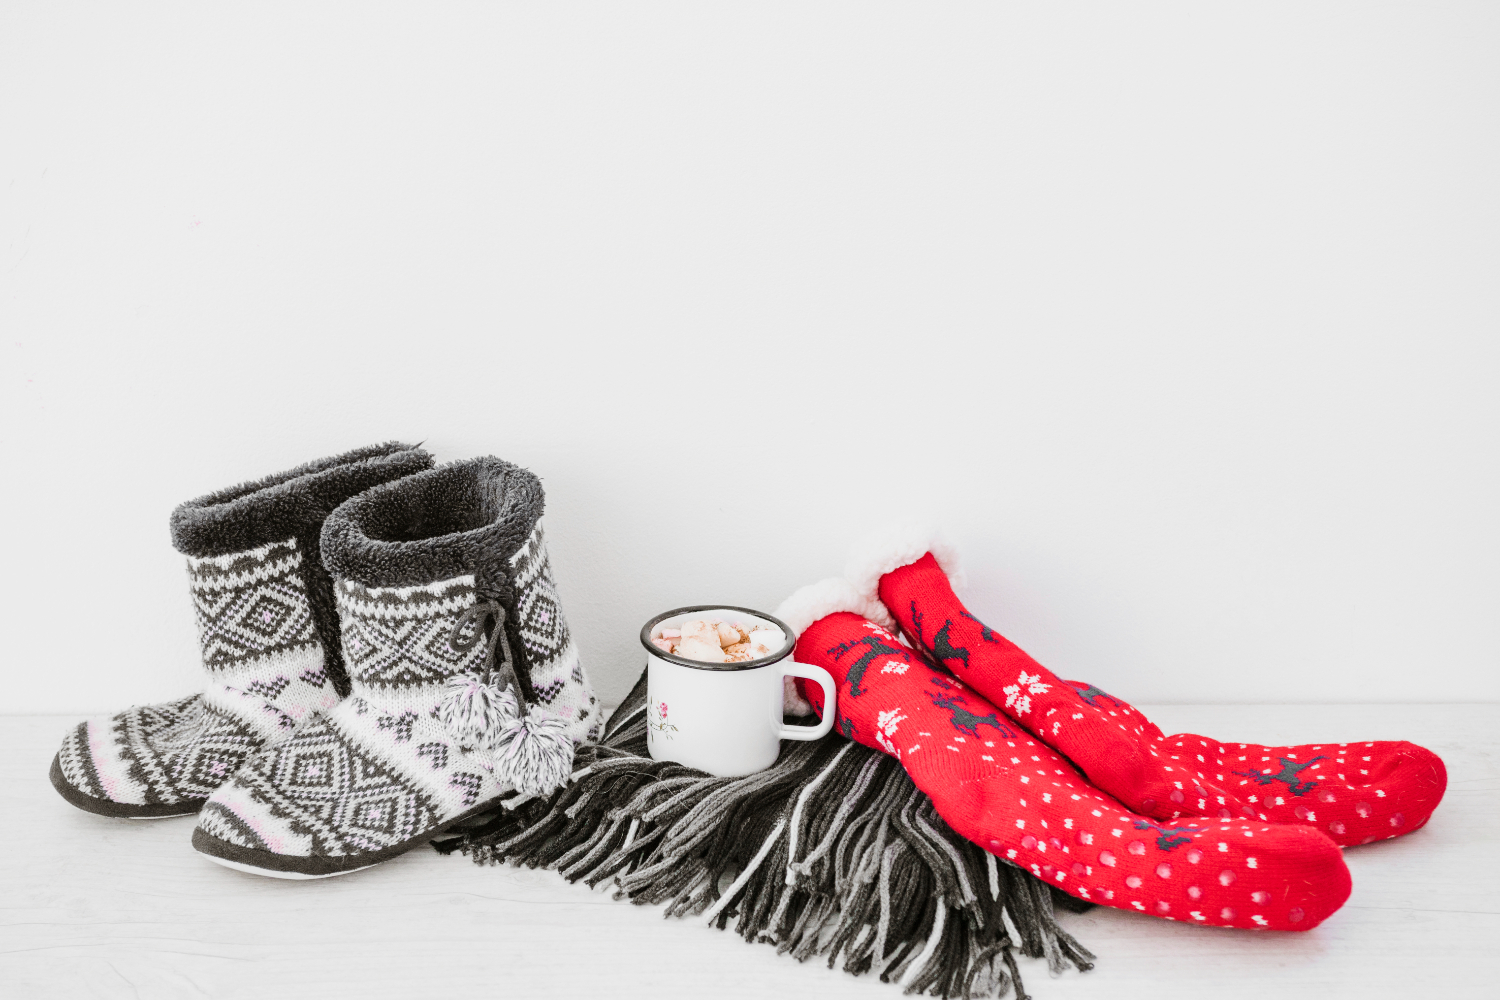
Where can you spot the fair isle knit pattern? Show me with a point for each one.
(441, 580)
(562, 688)
(265, 677)
(379, 770)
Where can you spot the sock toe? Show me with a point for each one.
(1322, 884)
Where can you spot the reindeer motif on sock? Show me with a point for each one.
(916, 625)
(966, 721)
(1024, 803)
(873, 648)
(943, 649)
(1089, 694)
(985, 632)
(1168, 837)
(1290, 769)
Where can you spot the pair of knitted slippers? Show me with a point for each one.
(1078, 786)
(385, 656)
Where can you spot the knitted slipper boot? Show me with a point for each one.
(268, 632)
(466, 683)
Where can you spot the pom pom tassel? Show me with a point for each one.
(474, 712)
(535, 753)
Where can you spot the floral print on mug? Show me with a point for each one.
(659, 723)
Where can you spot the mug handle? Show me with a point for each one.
(830, 700)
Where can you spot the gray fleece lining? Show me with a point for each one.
(293, 504)
(466, 517)
(281, 506)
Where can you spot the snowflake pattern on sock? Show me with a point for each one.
(1023, 802)
(1355, 793)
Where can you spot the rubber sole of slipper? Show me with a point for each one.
(117, 810)
(255, 861)
(272, 873)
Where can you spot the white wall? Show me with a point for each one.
(1182, 319)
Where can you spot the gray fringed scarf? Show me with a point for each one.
(831, 851)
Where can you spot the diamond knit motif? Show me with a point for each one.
(557, 674)
(399, 637)
(194, 754)
(543, 628)
(469, 785)
(325, 791)
(401, 725)
(438, 752)
(265, 676)
(379, 770)
(250, 604)
(170, 752)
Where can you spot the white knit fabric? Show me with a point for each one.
(264, 679)
(381, 769)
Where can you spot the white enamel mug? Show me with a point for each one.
(724, 718)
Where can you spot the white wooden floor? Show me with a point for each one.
(91, 907)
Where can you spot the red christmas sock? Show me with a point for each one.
(1023, 802)
(1354, 792)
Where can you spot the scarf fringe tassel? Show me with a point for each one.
(831, 853)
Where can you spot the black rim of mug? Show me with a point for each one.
(682, 661)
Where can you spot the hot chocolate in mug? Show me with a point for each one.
(724, 718)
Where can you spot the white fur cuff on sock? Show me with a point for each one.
(818, 600)
(792, 702)
(895, 546)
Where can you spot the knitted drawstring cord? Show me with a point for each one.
(533, 751)
(477, 615)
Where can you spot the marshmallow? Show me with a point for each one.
(703, 652)
(719, 642)
(703, 631)
(765, 641)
